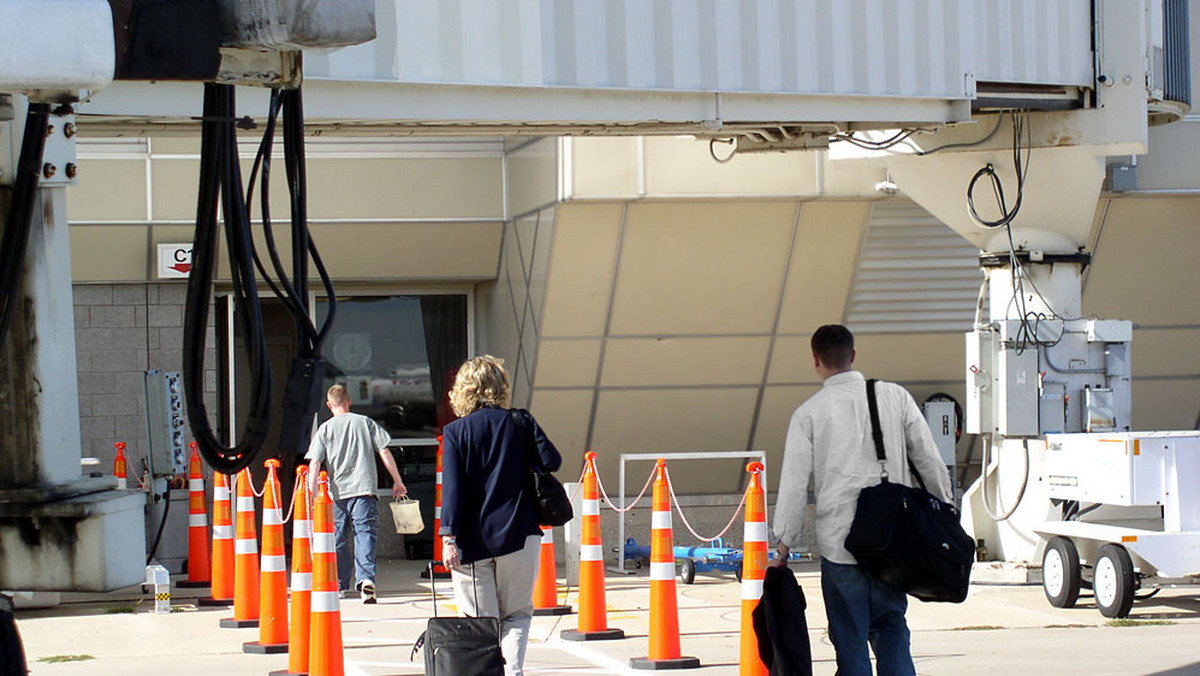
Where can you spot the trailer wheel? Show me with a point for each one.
(737, 572)
(1114, 581)
(1060, 573)
(687, 571)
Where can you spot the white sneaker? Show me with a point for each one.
(366, 590)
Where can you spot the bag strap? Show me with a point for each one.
(519, 416)
(877, 436)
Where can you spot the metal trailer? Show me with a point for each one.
(692, 560)
(1131, 509)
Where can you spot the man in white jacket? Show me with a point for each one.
(829, 439)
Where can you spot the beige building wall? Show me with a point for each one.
(646, 297)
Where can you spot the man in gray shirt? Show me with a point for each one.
(829, 439)
(346, 445)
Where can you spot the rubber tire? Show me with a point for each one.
(1061, 573)
(687, 571)
(737, 572)
(1114, 581)
(12, 652)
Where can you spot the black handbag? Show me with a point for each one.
(553, 504)
(460, 646)
(906, 538)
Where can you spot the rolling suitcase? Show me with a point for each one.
(460, 646)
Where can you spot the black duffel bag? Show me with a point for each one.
(908, 539)
(550, 496)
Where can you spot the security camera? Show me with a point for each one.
(887, 187)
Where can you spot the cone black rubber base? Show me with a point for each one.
(234, 623)
(187, 584)
(603, 635)
(256, 648)
(214, 603)
(553, 610)
(657, 665)
(285, 672)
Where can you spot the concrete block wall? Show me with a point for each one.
(121, 330)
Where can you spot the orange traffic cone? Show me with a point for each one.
(325, 644)
(222, 545)
(119, 467)
(754, 566)
(439, 571)
(545, 588)
(272, 588)
(245, 567)
(198, 569)
(301, 577)
(664, 606)
(593, 614)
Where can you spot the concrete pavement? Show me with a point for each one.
(998, 630)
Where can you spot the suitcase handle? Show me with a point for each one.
(433, 588)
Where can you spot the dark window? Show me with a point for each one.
(397, 356)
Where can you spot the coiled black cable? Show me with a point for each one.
(19, 222)
(220, 176)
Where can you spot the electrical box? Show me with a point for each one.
(980, 355)
(164, 422)
(1017, 392)
(942, 423)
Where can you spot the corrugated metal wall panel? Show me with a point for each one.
(914, 274)
(1177, 76)
(910, 48)
(1032, 41)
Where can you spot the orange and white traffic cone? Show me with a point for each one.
(325, 643)
(302, 574)
(272, 588)
(545, 588)
(439, 571)
(245, 567)
(198, 568)
(664, 605)
(593, 613)
(754, 566)
(119, 468)
(222, 545)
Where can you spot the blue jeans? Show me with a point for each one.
(861, 610)
(362, 515)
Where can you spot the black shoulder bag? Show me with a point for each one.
(553, 505)
(905, 537)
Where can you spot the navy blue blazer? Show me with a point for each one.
(487, 493)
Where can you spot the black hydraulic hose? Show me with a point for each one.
(220, 175)
(19, 222)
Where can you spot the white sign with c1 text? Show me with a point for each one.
(174, 261)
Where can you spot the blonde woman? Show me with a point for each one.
(490, 534)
